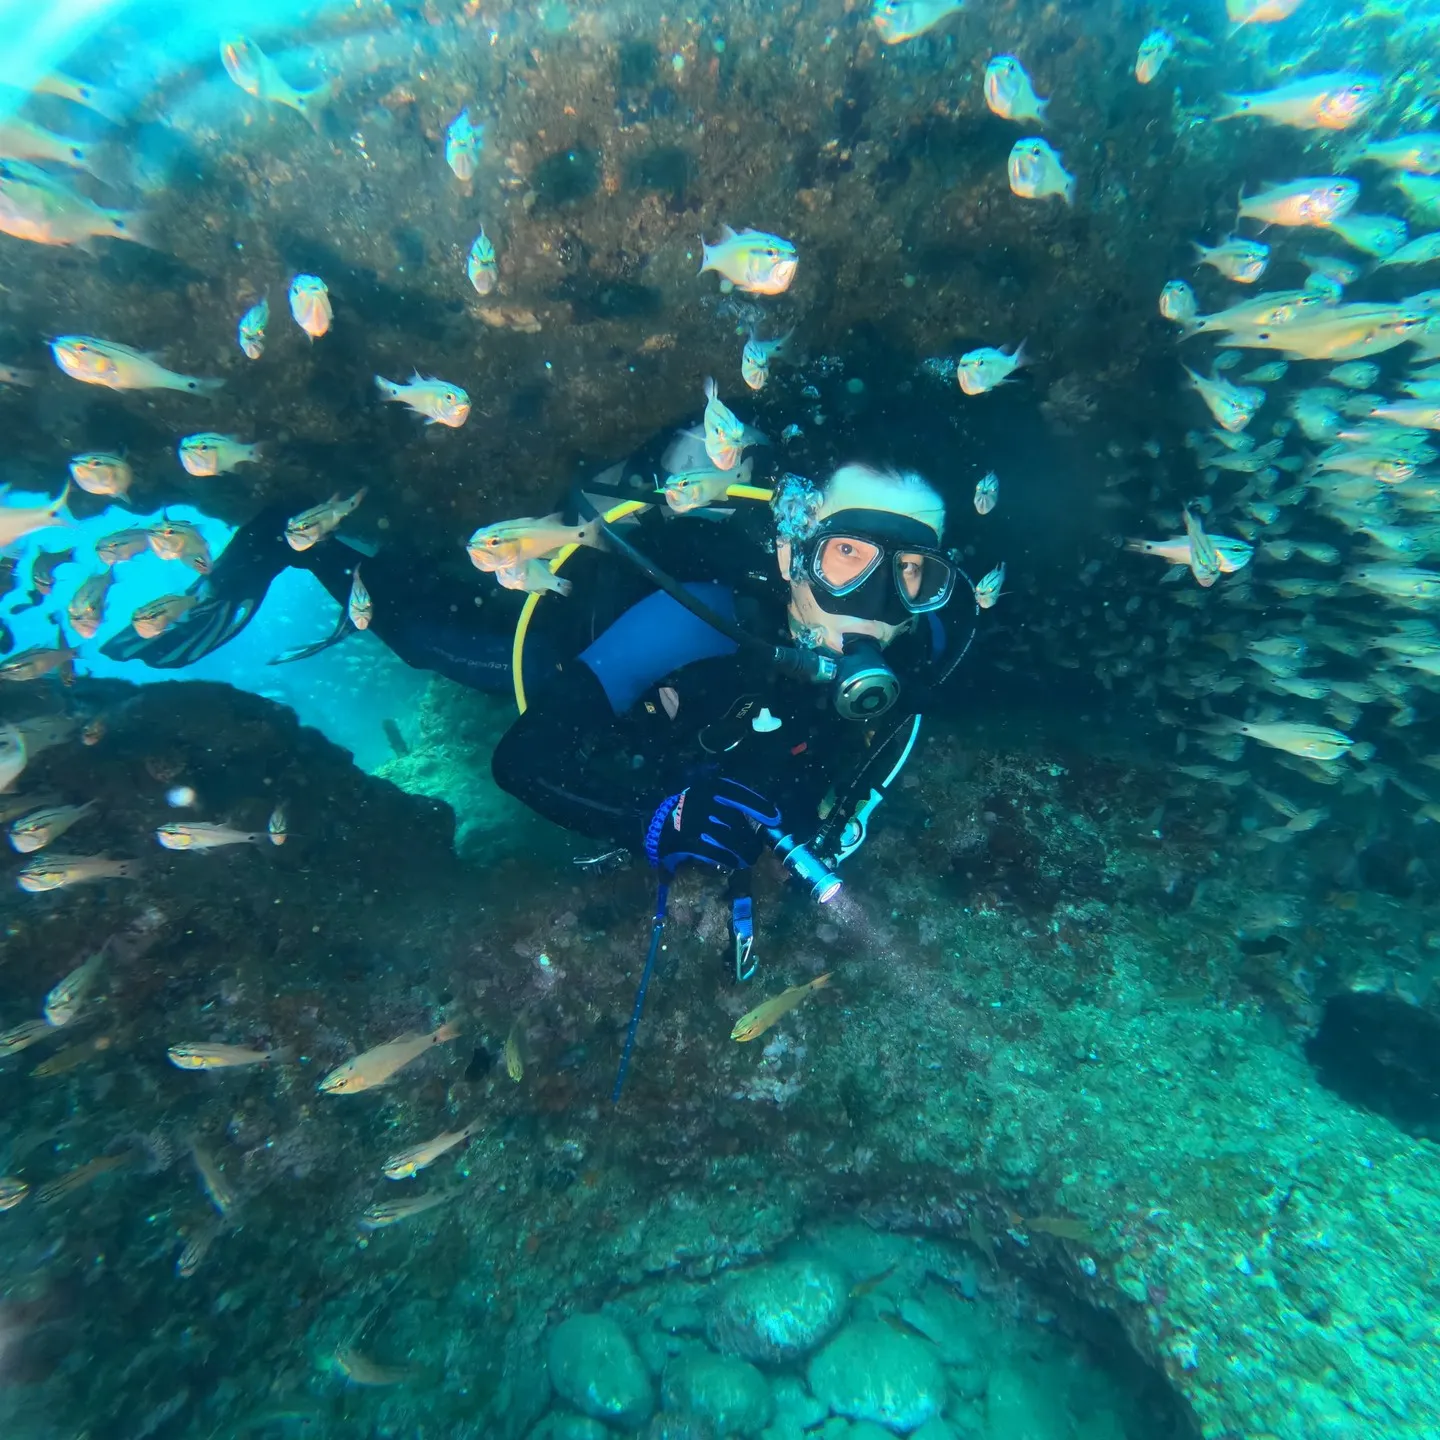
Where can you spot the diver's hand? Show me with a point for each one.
(719, 823)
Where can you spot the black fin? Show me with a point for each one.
(207, 627)
(304, 652)
(229, 597)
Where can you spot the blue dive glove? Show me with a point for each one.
(717, 822)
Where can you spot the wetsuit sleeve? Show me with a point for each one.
(564, 758)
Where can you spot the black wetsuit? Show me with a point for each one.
(626, 706)
(600, 770)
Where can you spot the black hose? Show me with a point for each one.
(807, 665)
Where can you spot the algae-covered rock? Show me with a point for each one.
(731, 1396)
(778, 1312)
(564, 1425)
(871, 1372)
(934, 1429)
(595, 1368)
(1016, 1405)
(795, 1405)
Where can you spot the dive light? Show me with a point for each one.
(805, 866)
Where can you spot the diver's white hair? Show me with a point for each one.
(901, 492)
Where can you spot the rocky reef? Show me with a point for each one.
(613, 139)
(1054, 1155)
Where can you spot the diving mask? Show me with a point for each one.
(875, 565)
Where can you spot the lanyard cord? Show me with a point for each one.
(657, 928)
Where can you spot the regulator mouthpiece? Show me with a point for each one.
(865, 686)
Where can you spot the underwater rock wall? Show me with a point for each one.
(613, 140)
(1023, 1071)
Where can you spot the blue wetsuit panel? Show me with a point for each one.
(654, 637)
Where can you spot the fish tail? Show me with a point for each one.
(1234, 106)
(131, 225)
(127, 869)
(388, 388)
(590, 534)
(448, 1031)
(312, 104)
(821, 982)
(199, 386)
(1138, 547)
(710, 391)
(705, 262)
(107, 162)
(563, 587)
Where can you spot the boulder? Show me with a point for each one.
(565, 1425)
(729, 1395)
(594, 1367)
(1027, 1404)
(794, 1404)
(871, 1372)
(778, 1312)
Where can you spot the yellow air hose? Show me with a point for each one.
(618, 512)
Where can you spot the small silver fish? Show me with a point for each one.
(898, 20)
(311, 526)
(100, 473)
(1243, 261)
(987, 492)
(1318, 201)
(251, 330)
(1319, 102)
(258, 76)
(753, 261)
(463, 143)
(1036, 172)
(1178, 302)
(208, 454)
(1155, 49)
(756, 356)
(359, 607)
(990, 586)
(1009, 92)
(481, 265)
(118, 367)
(724, 434)
(310, 305)
(63, 1002)
(438, 400)
(982, 370)
(534, 576)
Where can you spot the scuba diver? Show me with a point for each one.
(709, 676)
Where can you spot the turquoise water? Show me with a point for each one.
(1109, 1109)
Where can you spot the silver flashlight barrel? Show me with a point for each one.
(805, 866)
